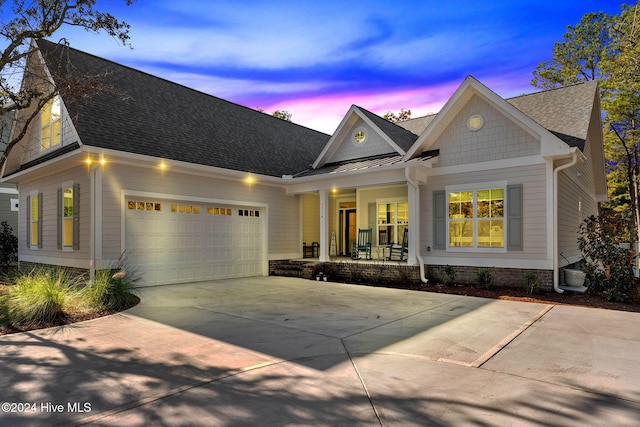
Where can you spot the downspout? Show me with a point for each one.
(93, 231)
(416, 239)
(556, 268)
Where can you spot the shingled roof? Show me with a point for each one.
(143, 114)
(403, 137)
(564, 111)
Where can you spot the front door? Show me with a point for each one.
(350, 230)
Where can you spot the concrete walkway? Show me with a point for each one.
(276, 351)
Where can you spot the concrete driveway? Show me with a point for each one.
(276, 351)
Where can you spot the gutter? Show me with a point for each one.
(416, 240)
(556, 268)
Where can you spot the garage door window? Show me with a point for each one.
(218, 211)
(144, 206)
(188, 209)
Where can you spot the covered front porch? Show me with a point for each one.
(361, 223)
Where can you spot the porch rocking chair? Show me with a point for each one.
(363, 244)
(400, 252)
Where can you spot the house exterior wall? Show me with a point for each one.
(49, 253)
(310, 218)
(32, 147)
(500, 138)
(283, 212)
(374, 145)
(575, 203)
(534, 254)
(8, 194)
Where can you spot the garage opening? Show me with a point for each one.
(177, 241)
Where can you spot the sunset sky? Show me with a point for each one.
(315, 59)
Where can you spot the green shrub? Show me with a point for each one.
(449, 275)
(530, 282)
(484, 277)
(8, 246)
(609, 266)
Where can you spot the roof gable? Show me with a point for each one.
(383, 137)
(142, 114)
(470, 87)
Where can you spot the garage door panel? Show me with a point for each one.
(180, 241)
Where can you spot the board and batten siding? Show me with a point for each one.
(574, 205)
(49, 253)
(283, 211)
(533, 180)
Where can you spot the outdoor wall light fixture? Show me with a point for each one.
(90, 160)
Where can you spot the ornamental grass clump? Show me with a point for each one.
(39, 297)
(112, 289)
(48, 296)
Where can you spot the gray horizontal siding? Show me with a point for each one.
(534, 204)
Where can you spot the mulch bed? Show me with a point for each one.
(65, 319)
(542, 297)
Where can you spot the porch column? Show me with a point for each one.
(413, 200)
(324, 226)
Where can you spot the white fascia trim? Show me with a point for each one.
(152, 162)
(501, 262)
(332, 145)
(529, 125)
(363, 178)
(5, 190)
(486, 166)
(332, 141)
(381, 133)
(36, 168)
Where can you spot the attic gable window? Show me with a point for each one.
(50, 128)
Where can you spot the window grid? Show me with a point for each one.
(476, 218)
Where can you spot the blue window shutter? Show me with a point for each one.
(439, 220)
(76, 216)
(514, 218)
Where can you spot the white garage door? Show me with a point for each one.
(179, 241)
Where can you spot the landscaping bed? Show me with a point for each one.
(67, 318)
(542, 296)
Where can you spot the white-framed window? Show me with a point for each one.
(392, 220)
(476, 216)
(359, 136)
(34, 220)
(51, 129)
(68, 216)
